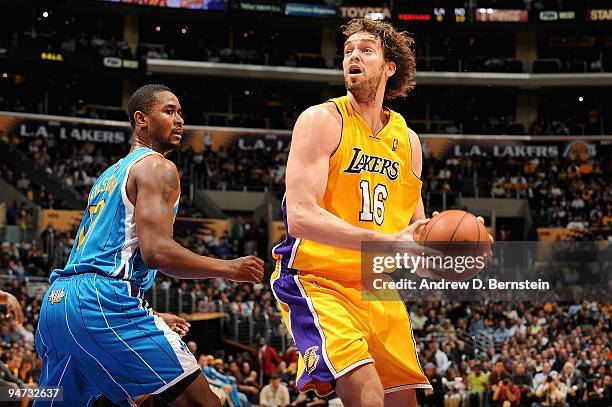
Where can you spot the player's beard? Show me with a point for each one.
(364, 91)
(165, 144)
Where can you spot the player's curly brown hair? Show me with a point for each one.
(397, 47)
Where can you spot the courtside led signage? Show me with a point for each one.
(599, 15)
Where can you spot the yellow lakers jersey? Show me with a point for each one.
(370, 185)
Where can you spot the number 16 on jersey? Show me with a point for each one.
(373, 209)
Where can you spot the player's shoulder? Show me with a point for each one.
(319, 125)
(415, 145)
(413, 136)
(152, 165)
(325, 113)
(398, 117)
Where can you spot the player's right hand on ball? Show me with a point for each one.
(246, 269)
(410, 234)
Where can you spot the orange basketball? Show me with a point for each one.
(457, 236)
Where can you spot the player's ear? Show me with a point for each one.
(140, 119)
(391, 68)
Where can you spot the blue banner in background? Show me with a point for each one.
(218, 5)
(264, 7)
(309, 10)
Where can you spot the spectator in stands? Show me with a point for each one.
(498, 191)
(442, 362)
(250, 390)
(433, 397)
(497, 376)
(216, 383)
(572, 378)
(418, 319)
(24, 221)
(552, 392)
(502, 333)
(523, 379)
(518, 328)
(27, 372)
(239, 307)
(477, 384)
(506, 394)
(544, 374)
(210, 239)
(290, 357)
(274, 394)
(476, 324)
(456, 350)
(7, 375)
(503, 234)
(559, 362)
(222, 251)
(598, 392)
(237, 230)
(455, 388)
(577, 223)
(268, 358)
(13, 213)
(249, 375)
(227, 383)
(14, 363)
(285, 374)
(15, 268)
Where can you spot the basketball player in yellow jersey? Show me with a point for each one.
(352, 176)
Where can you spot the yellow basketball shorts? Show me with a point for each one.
(336, 331)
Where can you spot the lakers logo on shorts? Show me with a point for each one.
(56, 296)
(311, 358)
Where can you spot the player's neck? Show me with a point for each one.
(373, 112)
(139, 142)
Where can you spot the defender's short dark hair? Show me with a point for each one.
(143, 99)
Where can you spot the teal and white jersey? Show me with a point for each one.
(106, 242)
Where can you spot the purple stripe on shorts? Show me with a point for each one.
(285, 248)
(305, 332)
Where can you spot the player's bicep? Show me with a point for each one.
(157, 183)
(315, 138)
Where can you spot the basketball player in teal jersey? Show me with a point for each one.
(96, 335)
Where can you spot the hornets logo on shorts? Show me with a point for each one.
(56, 296)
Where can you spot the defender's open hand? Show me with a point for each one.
(246, 269)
